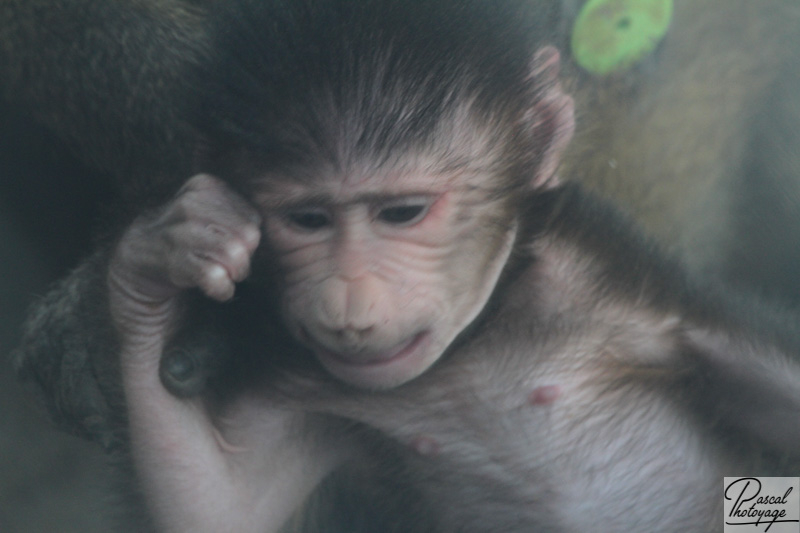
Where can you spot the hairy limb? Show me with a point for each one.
(246, 467)
(66, 340)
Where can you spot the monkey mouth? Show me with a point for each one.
(399, 352)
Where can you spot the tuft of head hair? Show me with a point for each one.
(336, 80)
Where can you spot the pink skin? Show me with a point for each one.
(204, 238)
(544, 395)
(556, 110)
(379, 302)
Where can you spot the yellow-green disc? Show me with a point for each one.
(612, 35)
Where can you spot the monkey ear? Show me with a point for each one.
(748, 386)
(552, 117)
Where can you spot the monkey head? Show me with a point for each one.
(387, 154)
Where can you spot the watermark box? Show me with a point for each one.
(762, 504)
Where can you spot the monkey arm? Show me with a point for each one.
(106, 76)
(258, 462)
(65, 349)
(242, 466)
(247, 471)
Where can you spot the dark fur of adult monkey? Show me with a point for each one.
(702, 343)
(111, 80)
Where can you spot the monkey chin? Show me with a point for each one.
(381, 370)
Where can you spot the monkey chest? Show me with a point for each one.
(559, 454)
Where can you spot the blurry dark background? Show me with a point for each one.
(49, 481)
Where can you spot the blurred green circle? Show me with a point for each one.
(612, 35)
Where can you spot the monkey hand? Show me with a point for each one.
(203, 238)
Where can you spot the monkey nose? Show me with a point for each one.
(351, 309)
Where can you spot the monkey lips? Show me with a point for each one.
(378, 368)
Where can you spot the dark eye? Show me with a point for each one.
(403, 214)
(310, 219)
